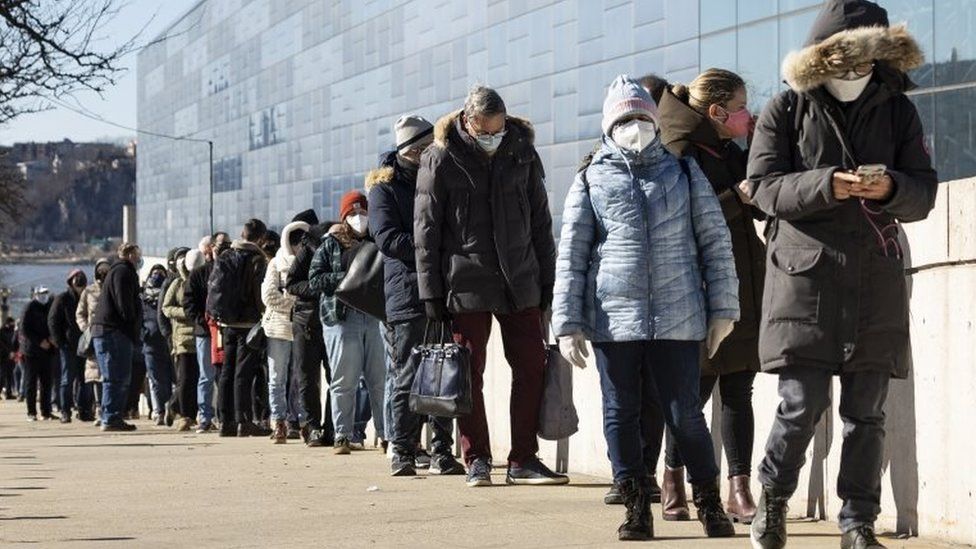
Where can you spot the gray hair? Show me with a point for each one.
(483, 101)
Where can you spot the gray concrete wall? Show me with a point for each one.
(928, 478)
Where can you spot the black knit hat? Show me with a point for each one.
(308, 216)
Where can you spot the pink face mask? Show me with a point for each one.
(738, 122)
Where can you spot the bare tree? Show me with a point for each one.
(13, 203)
(50, 49)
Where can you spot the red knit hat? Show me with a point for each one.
(349, 201)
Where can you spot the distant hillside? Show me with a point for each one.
(74, 191)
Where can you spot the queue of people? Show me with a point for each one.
(659, 270)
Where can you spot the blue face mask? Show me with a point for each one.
(156, 280)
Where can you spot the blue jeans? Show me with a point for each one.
(73, 382)
(208, 376)
(282, 381)
(114, 354)
(355, 350)
(159, 370)
(629, 372)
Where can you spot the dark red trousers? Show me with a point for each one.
(524, 344)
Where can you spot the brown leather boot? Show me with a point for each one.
(740, 505)
(674, 499)
(280, 434)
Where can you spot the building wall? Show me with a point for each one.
(298, 96)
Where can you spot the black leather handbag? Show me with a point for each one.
(362, 287)
(442, 384)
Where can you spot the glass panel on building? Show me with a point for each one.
(955, 43)
(718, 50)
(758, 62)
(751, 10)
(955, 134)
(716, 15)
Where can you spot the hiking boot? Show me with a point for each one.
(313, 437)
(403, 466)
(613, 497)
(250, 429)
(342, 447)
(421, 460)
(533, 473)
(708, 500)
(184, 424)
(294, 431)
(861, 537)
(674, 499)
(280, 434)
(638, 523)
(479, 473)
(118, 427)
(740, 505)
(445, 465)
(228, 429)
(769, 525)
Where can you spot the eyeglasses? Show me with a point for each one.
(856, 71)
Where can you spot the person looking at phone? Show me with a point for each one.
(835, 299)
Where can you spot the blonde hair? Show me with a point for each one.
(127, 248)
(714, 86)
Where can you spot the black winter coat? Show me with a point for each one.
(61, 320)
(306, 311)
(482, 226)
(34, 329)
(835, 297)
(8, 344)
(687, 133)
(150, 322)
(195, 299)
(391, 199)
(119, 307)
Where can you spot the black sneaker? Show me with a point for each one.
(118, 427)
(312, 437)
(251, 429)
(342, 447)
(421, 459)
(402, 466)
(479, 473)
(228, 429)
(294, 431)
(445, 464)
(65, 417)
(861, 537)
(613, 496)
(533, 473)
(768, 530)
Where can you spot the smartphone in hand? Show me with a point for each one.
(871, 173)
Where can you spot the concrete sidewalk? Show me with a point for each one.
(72, 486)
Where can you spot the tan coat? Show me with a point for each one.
(84, 315)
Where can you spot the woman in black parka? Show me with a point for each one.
(835, 299)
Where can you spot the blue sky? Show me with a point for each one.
(117, 104)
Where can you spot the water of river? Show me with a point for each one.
(21, 277)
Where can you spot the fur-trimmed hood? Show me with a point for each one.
(848, 33)
(442, 129)
(286, 248)
(384, 174)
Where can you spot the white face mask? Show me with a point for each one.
(490, 143)
(635, 135)
(358, 223)
(846, 91)
(42, 298)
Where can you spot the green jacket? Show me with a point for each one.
(182, 339)
(324, 276)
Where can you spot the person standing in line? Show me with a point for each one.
(645, 272)
(392, 188)
(484, 249)
(352, 338)
(8, 348)
(700, 121)
(38, 352)
(155, 351)
(234, 301)
(195, 307)
(183, 343)
(837, 161)
(63, 325)
(85, 314)
(278, 306)
(308, 344)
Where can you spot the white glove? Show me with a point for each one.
(718, 330)
(573, 349)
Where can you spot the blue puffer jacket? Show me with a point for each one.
(644, 255)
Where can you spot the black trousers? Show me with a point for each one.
(38, 378)
(137, 384)
(187, 376)
(7, 376)
(308, 351)
(738, 421)
(242, 366)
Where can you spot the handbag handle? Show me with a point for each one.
(442, 339)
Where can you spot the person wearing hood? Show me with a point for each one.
(645, 272)
(352, 338)
(155, 350)
(38, 349)
(837, 161)
(308, 346)
(242, 365)
(484, 249)
(700, 121)
(63, 325)
(8, 348)
(278, 306)
(195, 307)
(184, 400)
(173, 258)
(84, 315)
(392, 188)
